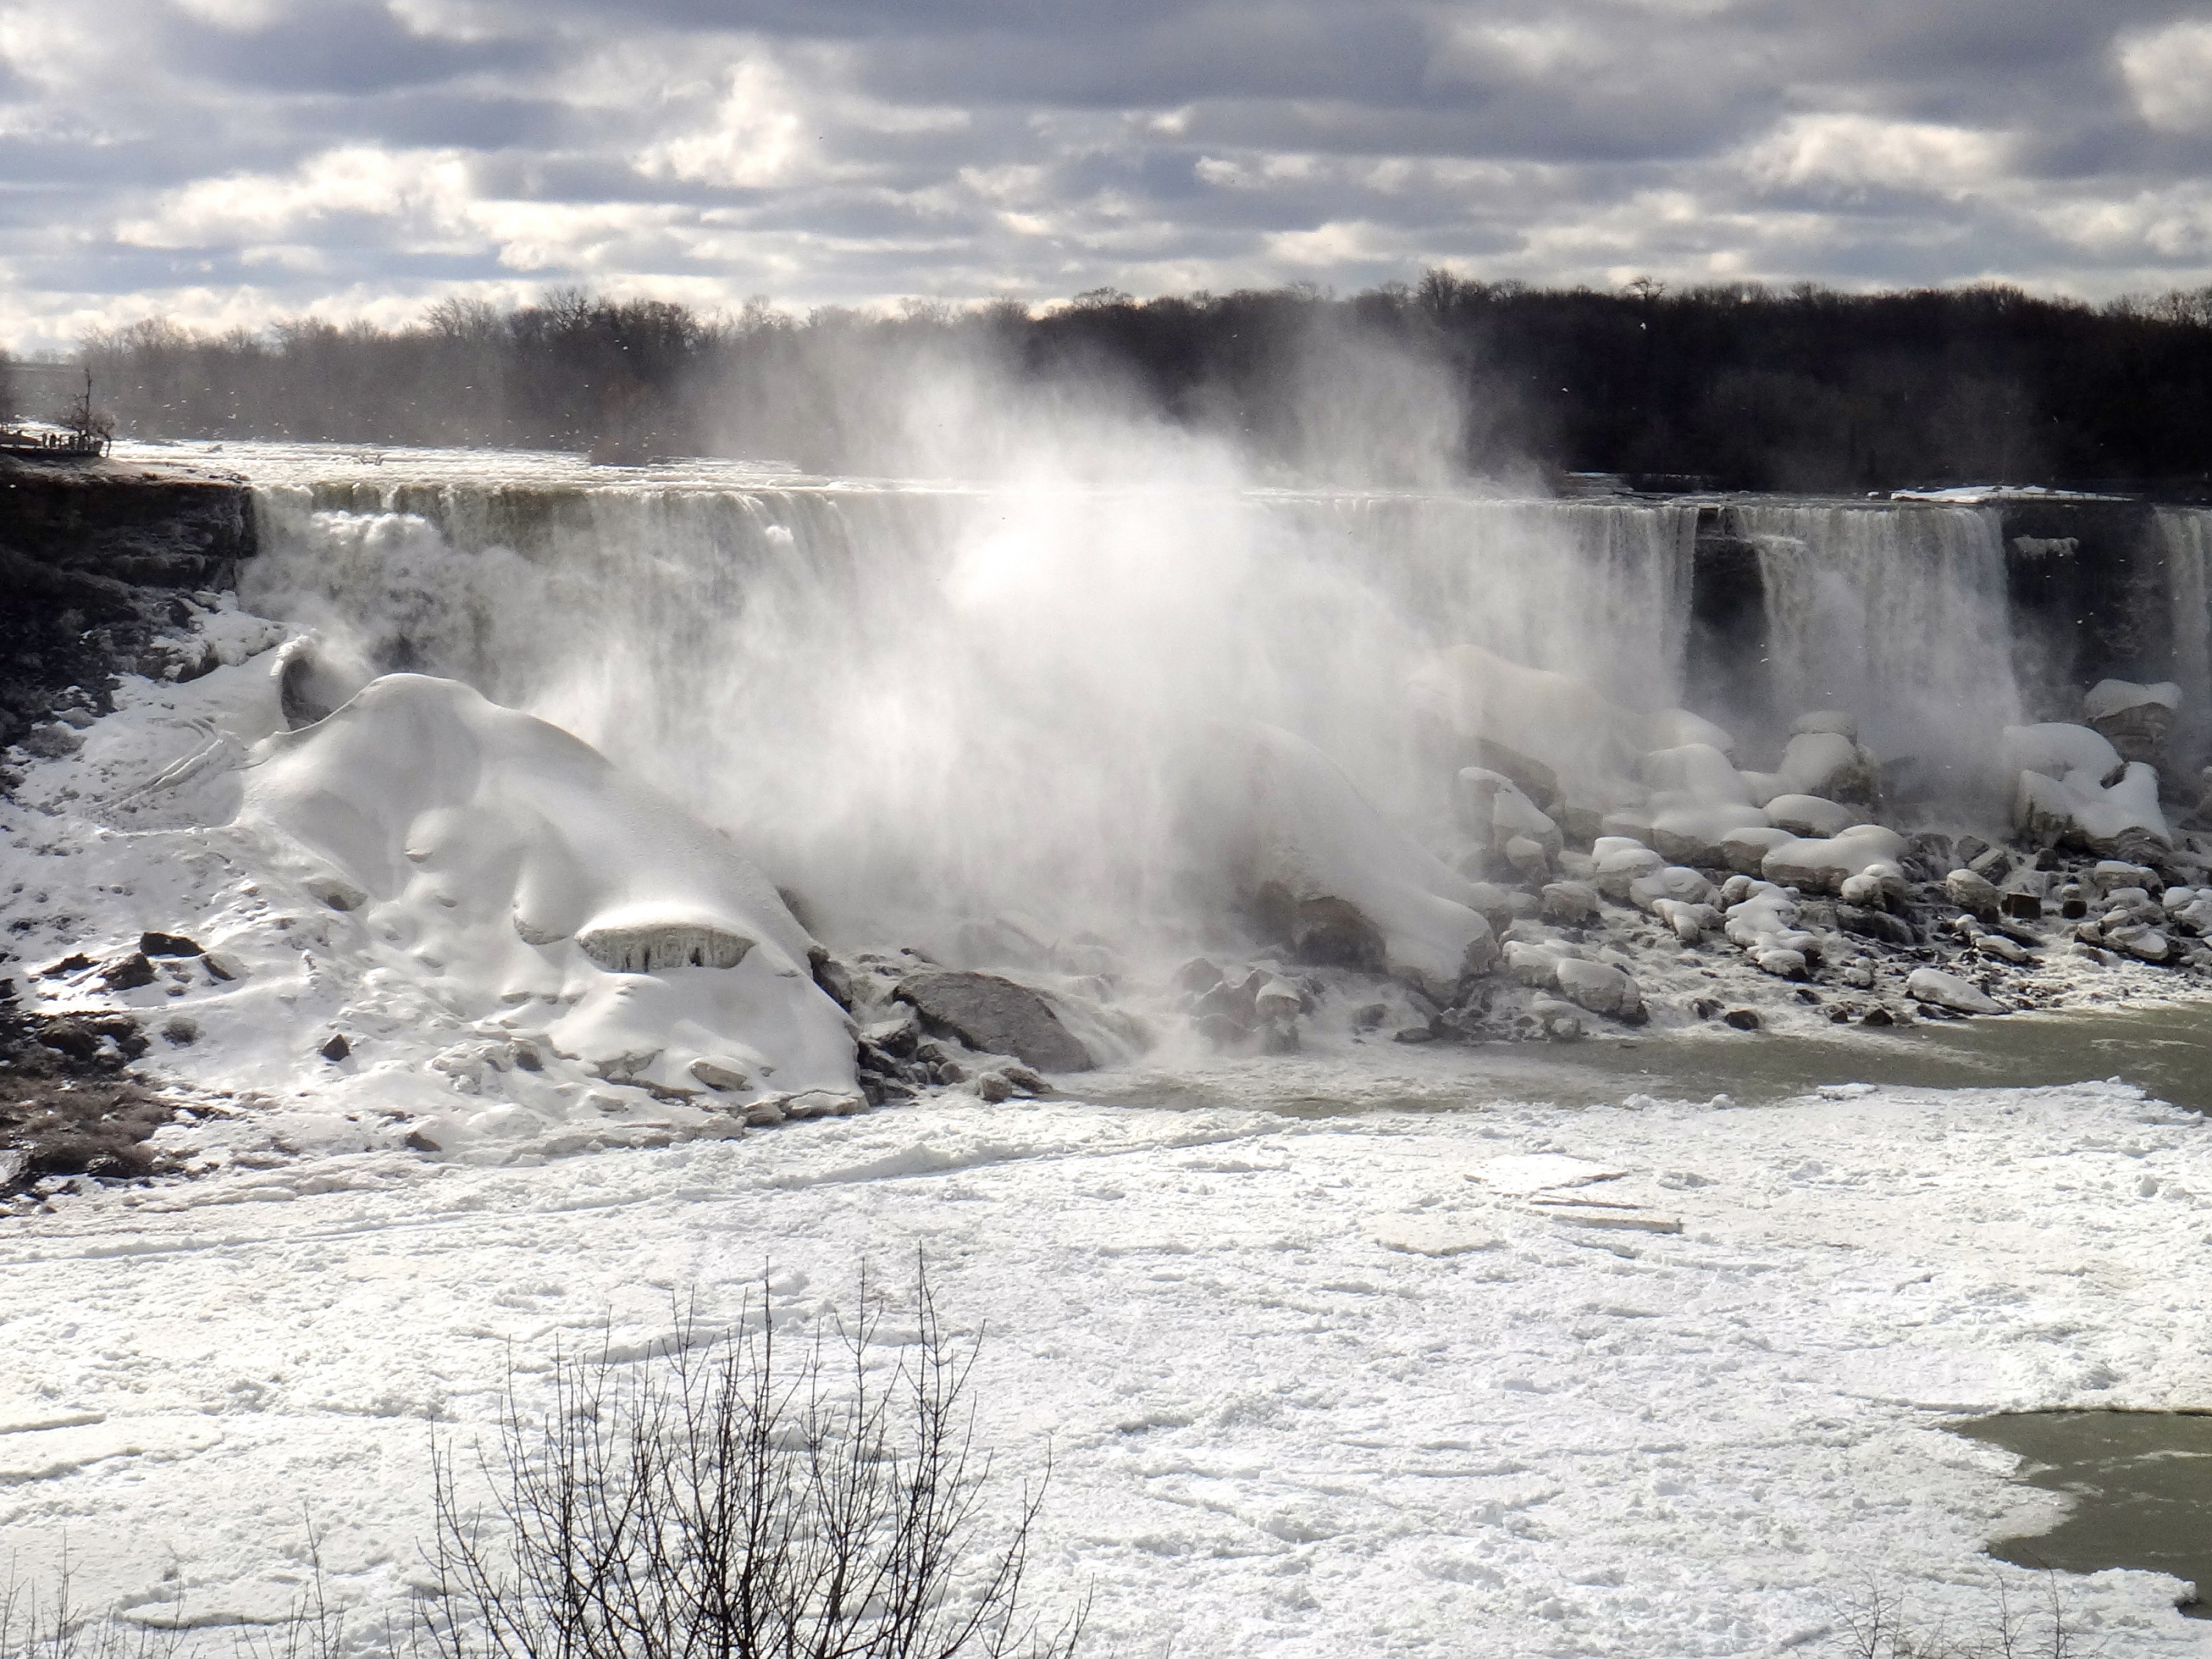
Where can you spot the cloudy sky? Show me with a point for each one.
(227, 161)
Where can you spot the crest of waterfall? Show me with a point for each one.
(2185, 539)
(1897, 615)
(898, 695)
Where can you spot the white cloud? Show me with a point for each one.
(1854, 152)
(2169, 71)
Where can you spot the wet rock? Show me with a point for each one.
(1877, 1016)
(1935, 986)
(128, 973)
(336, 1049)
(1742, 1019)
(167, 945)
(993, 1088)
(1413, 1034)
(2136, 719)
(994, 1016)
(72, 1038)
(1876, 924)
(2021, 907)
(416, 1141)
(831, 977)
(1197, 976)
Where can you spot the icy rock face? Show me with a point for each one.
(2136, 719)
(1325, 871)
(2074, 789)
(511, 865)
(995, 1015)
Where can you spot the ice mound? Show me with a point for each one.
(537, 888)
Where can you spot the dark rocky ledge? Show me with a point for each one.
(97, 560)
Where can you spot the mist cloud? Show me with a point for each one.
(230, 160)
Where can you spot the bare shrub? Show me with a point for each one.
(740, 1500)
(1878, 1624)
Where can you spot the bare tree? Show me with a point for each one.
(734, 1500)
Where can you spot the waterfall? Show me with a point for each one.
(2184, 542)
(888, 688)
(1897, 614)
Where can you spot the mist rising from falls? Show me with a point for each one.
(912, 702)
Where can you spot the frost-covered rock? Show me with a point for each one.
(1673, 882)
(1970, 891)
(1824, 864)
(1573, 903)
(1307, 854)
(1697, 798)
(1599, 987)
(1620, 861)
(2136, 719)
(2075, 790)
(1494, 810)
(1933, 985)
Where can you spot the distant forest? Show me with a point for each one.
(1729, 386)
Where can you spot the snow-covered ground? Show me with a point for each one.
(1360, 1385)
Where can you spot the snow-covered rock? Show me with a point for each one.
(2074, 789)
(1810, 816)
(1823, 762)
(1933, 985)
(1824, 864)
(1494, 810)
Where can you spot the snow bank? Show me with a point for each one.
(511, 868)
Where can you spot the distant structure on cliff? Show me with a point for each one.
(80, 432)
(42, 441)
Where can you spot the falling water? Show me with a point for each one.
(1897, 615)
(2184, 538)
(903, 695)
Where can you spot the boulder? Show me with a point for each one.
(1600, 988)
(2136, 719)
(2074, 790)
(1824, 864)
(1933, 985)
(1971, 893)
(1570, 902)
(1745, 850)
(994, 1016)
(1620, 862)
(1810, 816)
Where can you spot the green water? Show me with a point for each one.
(2142, 1487)
(2164, 1049)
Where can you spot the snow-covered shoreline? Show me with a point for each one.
(1359, 1386)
